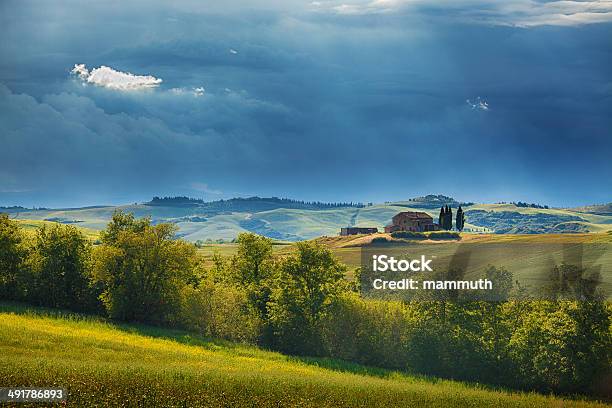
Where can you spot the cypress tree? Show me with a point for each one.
(441, 218)
(445, 217)
(449, 223)
(460, 221)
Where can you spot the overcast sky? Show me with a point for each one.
(107, 103)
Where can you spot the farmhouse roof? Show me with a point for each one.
(413, 214)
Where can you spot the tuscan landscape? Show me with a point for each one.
(215, 301)
(288, 203)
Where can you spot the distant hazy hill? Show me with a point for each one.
(601, 209)
(293, 220)
(249, 204)
(512, 222)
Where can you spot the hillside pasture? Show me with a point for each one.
(104, 364)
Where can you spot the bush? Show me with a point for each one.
(439, 235)
(220, 311)
(367, 332)
(380, 240)
(408, 235)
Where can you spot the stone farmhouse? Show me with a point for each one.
(413, 221)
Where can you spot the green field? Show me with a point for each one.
(103, 364)
(30, 226)
(528, 257)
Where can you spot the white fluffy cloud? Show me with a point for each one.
(478, 103)
(197, 91)
(521, 13)
(110, 78)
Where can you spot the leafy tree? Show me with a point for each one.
(12, 255)
(59, 264)
(306, 287)
(252, 268)
(252, 263)
(142, 269)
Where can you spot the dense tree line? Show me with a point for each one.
(183, 200)
(302, 304)
(522, 204)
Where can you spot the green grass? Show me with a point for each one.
(30, 226)
(208, 251)
(103, 364)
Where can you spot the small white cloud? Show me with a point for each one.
(478, 103)
(198, 91)
(109, 78)
(349, 9)
(203, 187)
(233, 51)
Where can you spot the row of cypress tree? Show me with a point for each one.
(445, 220)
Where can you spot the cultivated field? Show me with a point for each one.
(102, 364)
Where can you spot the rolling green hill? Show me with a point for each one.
(291, 220)
(103, 364)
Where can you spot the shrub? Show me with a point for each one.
(408, 235)
(220, 311)
(368, 332)
(439, 235)
(380, 240)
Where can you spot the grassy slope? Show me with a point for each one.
(30, 226)
(289, 223)
(109, 365)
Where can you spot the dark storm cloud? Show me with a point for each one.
(312, 104)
